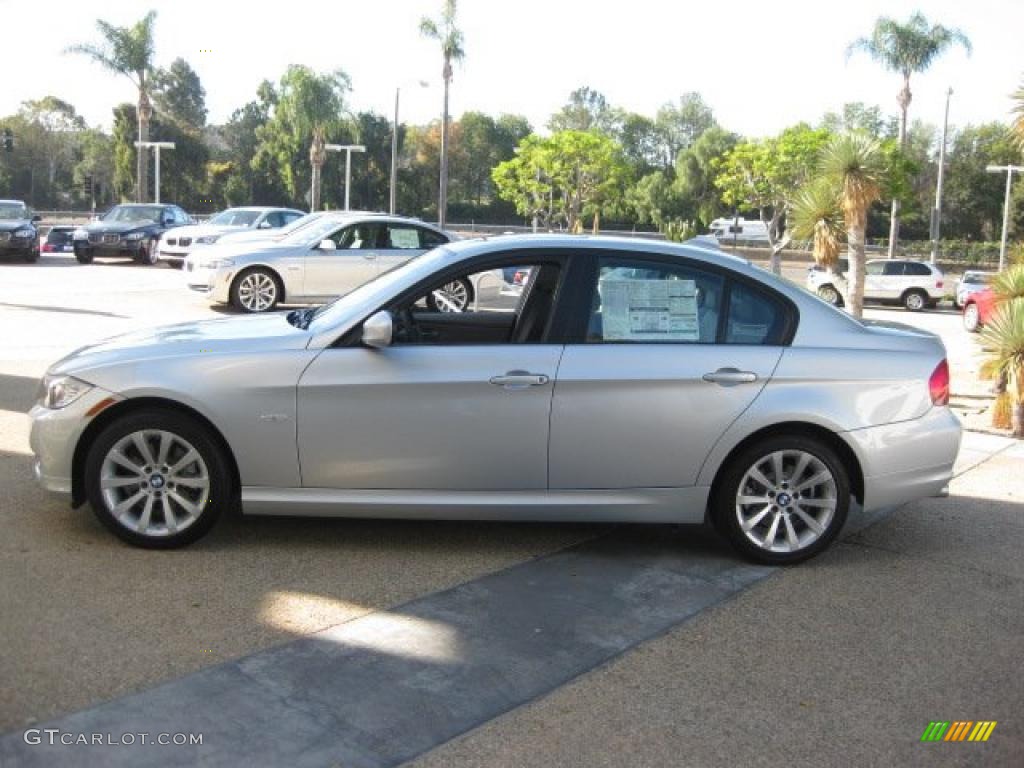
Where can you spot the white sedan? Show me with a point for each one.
(175, 246)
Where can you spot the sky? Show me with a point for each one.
(761, 66)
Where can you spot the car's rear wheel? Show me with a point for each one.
(83, 255)
(256, 290)
(972, 318)
(157, 479)
(31, 257)
(915, 300)
(451, 297)
(830, 294)
(782, 500)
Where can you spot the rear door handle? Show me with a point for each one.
(370, 255)
(730, 376)
(520, 380)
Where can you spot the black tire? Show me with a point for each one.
(914, 300)
(31, 257)
(725, 509)
(148, 255)
(83, 255)
(463, 304)
(829, 293)
(176, 263)
(241, 300)
(218, 499)
(972, 318)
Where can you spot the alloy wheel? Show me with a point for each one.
(971, 318)
(786, 501)
(914, 302)
(829, 294)
(154, 483)
(452, 297)
(257, 292)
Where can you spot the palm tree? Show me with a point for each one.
(815, 216)
(450, 37)
(1003, 337)
(128, 51)
(906, 48)
(1018, 110)
(852, 165)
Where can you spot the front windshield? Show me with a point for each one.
(235, 217)
(377, 289)
(130, 213)
(314, 233)
(11, 211)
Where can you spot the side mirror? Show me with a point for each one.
(377, 330)
(328, 245)
(264, 224)
(36, 218)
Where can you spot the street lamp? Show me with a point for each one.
(937, 210)
(394, 149)
(157, 145)
(348, 149)
(1008, 169)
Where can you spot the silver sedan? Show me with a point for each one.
(630, 381)
(329, 256)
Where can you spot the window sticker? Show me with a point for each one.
(404, 238)
(649, 310)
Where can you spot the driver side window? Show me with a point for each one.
(358, 237)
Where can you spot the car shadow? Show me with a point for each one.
(17, 393)
(67, 310)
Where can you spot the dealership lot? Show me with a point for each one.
(866, 634)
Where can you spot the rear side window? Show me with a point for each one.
(431, 239)
(754, 317)
(893, 269)
(916, 269)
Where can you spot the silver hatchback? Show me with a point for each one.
(629, 381)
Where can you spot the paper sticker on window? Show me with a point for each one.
(404, 238)
(649, 310)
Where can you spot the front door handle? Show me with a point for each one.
(369, 255)
(730, 376)
(520, 380)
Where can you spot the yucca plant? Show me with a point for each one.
(854, 166)
(1003, 337)
(1009, 284)
(815, 217)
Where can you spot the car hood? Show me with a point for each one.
(11, 225)
(117, 227)
(206, 337)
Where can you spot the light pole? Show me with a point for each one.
(157, 145)
(937, 210)
(394, 150)
(348, 149)
(1009, 169)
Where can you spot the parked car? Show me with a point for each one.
(743, 230)
(128, 231)
(971, 282)
(979, 307)
(18, 234)
(635, 381)
(315, 263)
(176, 244)
(266, 235)
(913, 284)
(59, 240)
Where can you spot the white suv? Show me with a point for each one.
(914, 284)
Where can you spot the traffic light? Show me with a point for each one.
(8, 140)
(87, 187)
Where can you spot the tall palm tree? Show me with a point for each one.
(853, 165)
(815, 216)
(128, 51)
(444, 31)
(906, 49)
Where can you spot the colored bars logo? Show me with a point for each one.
(958, 730)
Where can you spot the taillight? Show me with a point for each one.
(938, 384)
(938, 283)
(47, 247)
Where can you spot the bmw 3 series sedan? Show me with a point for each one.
(631, 381)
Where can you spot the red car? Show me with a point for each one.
(978, 309)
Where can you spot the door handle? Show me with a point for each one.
(730, 376)
(520, 380)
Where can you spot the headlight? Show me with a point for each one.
(80, 234)
(216, 263)
(135, 236)
(207, 239)
(62, 391)
(24, 233)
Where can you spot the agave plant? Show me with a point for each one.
(1009, 284)
(1004, 338)
(815, 217)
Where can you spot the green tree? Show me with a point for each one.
(680, 125)
(906, 48)
(973, 199)
(852, 165)
(179, 96)
(450, 38)
(586, 110)
(129, 51)
(858, 116)
(765, 175)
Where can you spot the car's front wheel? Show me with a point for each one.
(149, 254)
(915, 301)
(157, 479)
(256, 290)
(451, 297)
(31, 257)
(83, 255)
(829, 294)
(972, 318)
(782, 500)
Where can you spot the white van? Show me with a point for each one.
(744, 230)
